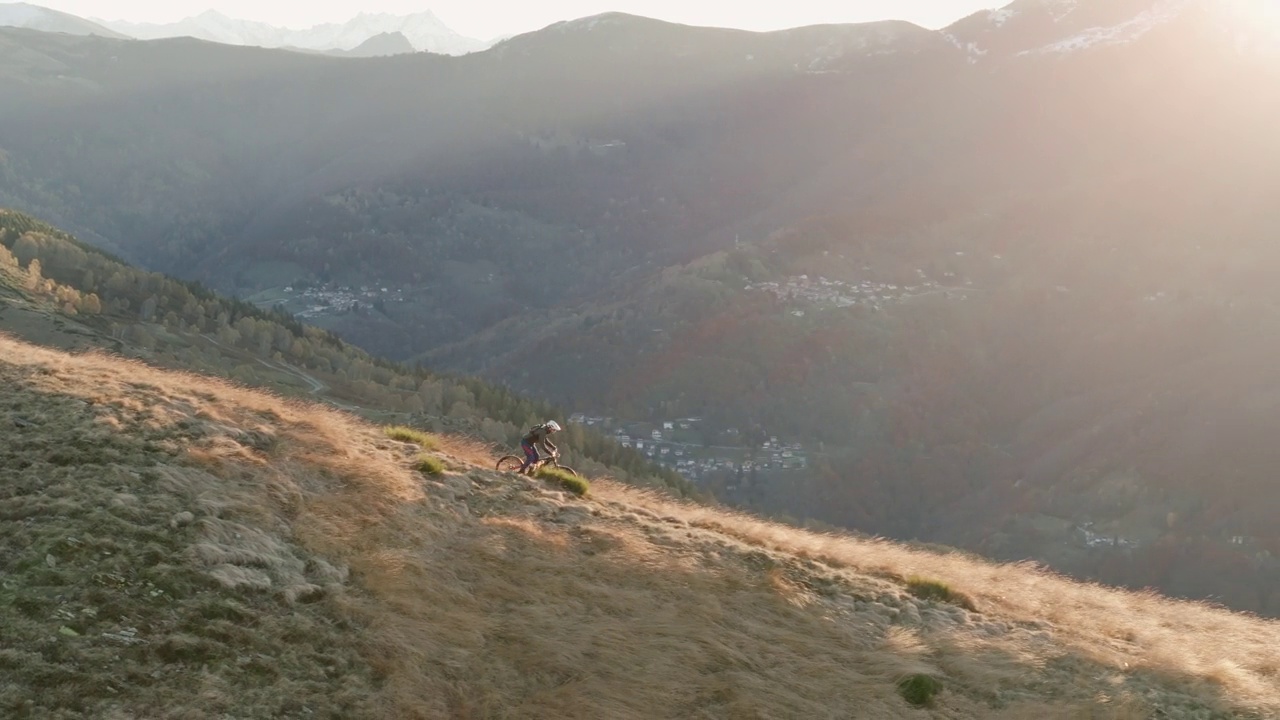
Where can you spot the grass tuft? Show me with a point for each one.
(572, 483)
(429, 465)
(919, 690)
(926, 589)
(424, 440)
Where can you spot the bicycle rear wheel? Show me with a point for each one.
(509, 463)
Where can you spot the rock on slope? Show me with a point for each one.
(172, 546)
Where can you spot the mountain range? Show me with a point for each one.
(423, 30)
(1006, 280)
(381, 45)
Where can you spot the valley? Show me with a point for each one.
(1006, 283)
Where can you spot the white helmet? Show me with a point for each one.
(553, 426)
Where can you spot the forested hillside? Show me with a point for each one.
(182, 325)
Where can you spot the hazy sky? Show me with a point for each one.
(491, 18)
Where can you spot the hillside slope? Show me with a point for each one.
(161, 527)
(57, 291)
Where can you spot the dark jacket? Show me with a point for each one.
(539, 437)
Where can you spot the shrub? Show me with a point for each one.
(919, 690)
(937, 590)
(572, 483)
(424, 440)
(429, 465)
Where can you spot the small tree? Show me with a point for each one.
(90, 305)
(34, 277)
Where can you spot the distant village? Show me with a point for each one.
(678, 444)
(333, 300)
(824, 292)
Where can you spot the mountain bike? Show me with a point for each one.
(512, 463)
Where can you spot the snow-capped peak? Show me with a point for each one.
(1127, 31)
(1056, 10)
(423, 30)
(1039, 28)
(1054, 27)
(1253, 25)
(1060, 9)
(1001, 16)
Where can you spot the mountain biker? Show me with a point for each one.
(539, 436)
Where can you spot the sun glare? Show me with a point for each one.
(1260, 14)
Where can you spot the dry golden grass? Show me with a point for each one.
(309, 571)
(1232, 656)
(467, 451)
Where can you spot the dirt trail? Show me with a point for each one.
(317, 388)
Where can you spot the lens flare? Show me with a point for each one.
(1263, 14)
(1255, 22)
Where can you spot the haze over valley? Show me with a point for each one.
(1004, 286)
